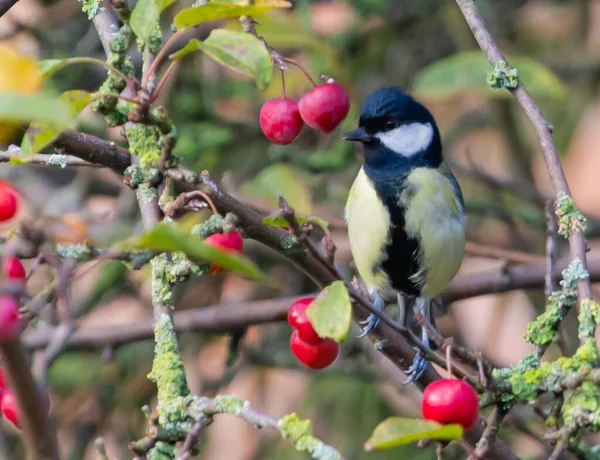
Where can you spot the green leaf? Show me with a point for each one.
(238, 51)
(331, 312)
(281, 179)
(219, 10)
(170, 238)
(41, 133)
(145, 16)
(467, 72)
(280, 222)
(396, 431)
(23, 108)
(49, 66)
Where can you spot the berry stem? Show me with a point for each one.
(449, 361)
(304, 71)
(163, 80)
(283, 85)
(160, 56)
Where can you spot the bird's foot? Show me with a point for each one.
(372, 320)
(419, 364)
(417, 368)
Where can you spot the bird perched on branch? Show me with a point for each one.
(405, 210)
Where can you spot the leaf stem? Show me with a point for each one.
(160, 55)
(163, 80)
(90, 60)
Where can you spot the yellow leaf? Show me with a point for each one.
(18, 74)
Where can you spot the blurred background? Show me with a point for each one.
(422, 45)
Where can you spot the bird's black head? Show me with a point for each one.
(397, 132)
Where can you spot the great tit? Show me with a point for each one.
(405, 210)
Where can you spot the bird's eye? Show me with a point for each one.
(389, 125)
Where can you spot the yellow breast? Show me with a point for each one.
(435, 217)
(368, 230)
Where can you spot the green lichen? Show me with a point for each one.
(168, 272)
(79, 252)
(570, 219)
(503, 76)
(289, 243)
(209, 226)
(154, 42)
(168, 374)
(299, 432)
(91, 8)
(146, 192)
(58, 159)
(583, 408)
(589, 317)
(229, 404)
(162, 451)
(135, 175)
(143, 142)
(115, 111)
(543, 330)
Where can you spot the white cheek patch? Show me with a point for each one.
(407, 140)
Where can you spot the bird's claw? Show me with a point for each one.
(370, 324)
(417, 368)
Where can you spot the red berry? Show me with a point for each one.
(314, 355)
(231, 241)
(280, 120)
(2, 381)
(299, 322)
(9, 318)
(324, 106)
(11, 409)
(13, 269)
(8, 201)
(450, 401)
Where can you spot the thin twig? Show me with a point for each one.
(543, 129)
(489, 434)
(551, 243)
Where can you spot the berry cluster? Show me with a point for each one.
(8, 402)
(322, 108)
(231, 242)
(12, 270)
(450, 401)
(310, 349)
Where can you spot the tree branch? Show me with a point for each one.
(543, 129)
(6, 5)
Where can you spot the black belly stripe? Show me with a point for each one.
(401, 262)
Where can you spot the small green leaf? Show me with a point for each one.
(49, 66)
(23, 108)
(41, 133)
(145, 16)
(285, 180)
(331, 312)
(467, 71)
(397, 431)
(170, 238)
(238, 51)
(219, 10)
(280, 222)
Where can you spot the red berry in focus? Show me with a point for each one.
(314, 355)
(11, 409)
(299, 321)
(325, 106)
(13, 269)
(8, 201)
(450, 401)
(280, 120)
(9, 318)
(2, 381)
(231, 241)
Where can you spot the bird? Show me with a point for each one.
(405, 210)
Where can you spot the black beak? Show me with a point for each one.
(359, 135)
